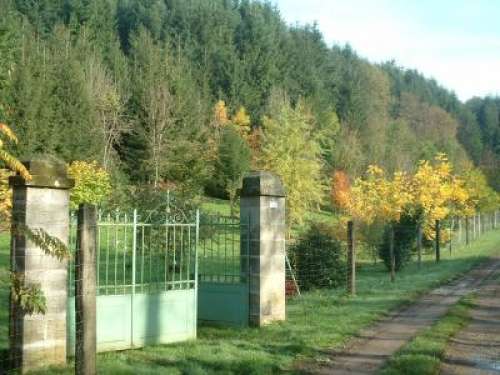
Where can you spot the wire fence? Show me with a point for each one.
(320, 261)
(134, 255)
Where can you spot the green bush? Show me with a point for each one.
(404, 239)
(318, 259)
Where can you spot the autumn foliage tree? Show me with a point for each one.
(13, 166)
(432, 193)
(340, 189)
(437, 193)
(290, 148)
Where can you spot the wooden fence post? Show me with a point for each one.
(419, 244)
(391, 253)
(85, 288)
(474, 227)
(459, 230)
(438, 240)
(351, 260)
(467, 231)
(452, 224)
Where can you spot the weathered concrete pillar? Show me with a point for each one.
(263, 205)
(43, 203)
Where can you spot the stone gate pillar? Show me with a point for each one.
(263, 207)
(42, 203)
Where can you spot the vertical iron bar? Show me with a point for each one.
(125, 227)
(150, 261)
(107, 254)
(224, 233)
(189, 258)
(174, 263)
(166, 255)
(98, 246)
(115, 224)
(142, 257)
(233, 254)
(134, 245)
(196, 270)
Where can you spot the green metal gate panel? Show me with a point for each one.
(113, 323)
(223, 292)
(224, 304)
(146, 282)
(160, 318)
(164, 317)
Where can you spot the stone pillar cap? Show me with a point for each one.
(259, 183)
(45, 173)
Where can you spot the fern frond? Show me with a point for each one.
(14, 164)
(4, 129)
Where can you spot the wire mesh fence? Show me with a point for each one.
(320, 261)
(159, 256)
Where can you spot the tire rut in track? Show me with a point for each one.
(476, 349)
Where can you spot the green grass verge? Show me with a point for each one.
(315, 321)
(215, 206)
(423, 355)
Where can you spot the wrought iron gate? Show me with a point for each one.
(223, 294)
(146, 281)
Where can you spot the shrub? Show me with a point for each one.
(92, 183)
(404, 238)
(318, 259)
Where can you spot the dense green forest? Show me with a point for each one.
(133, 84)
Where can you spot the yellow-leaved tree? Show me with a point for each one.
(7, 135)
(437, 193)
(481, 196)
(242, 122)
(92, 183)
(12, 166)
(290, 148)
(377, 197)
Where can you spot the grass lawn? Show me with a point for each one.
(422, 356)
(315, 321)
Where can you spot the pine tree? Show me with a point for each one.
(233, 162)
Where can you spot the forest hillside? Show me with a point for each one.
(188, 94)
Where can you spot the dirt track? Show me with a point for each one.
(368, 352)
(476, 349)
